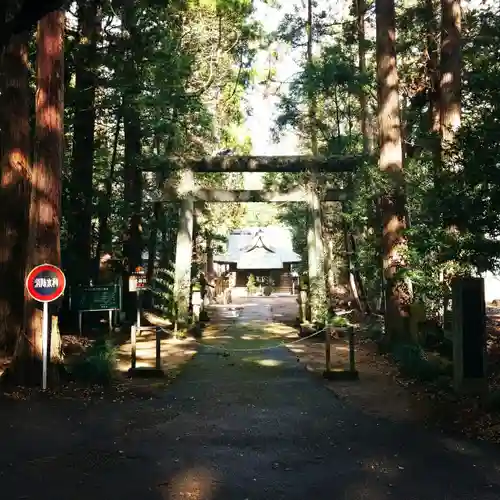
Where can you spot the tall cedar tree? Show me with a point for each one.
(393, 202)
(15, 172)
(133, 181)
(43, 244)
(450, 70)
(82, 162)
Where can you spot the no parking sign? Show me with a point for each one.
(45, 283)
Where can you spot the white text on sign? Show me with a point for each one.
(46, 282)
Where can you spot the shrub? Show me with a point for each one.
(340, 322)
(97, 365)
(268, 291)
(414, 362)
(251, 286)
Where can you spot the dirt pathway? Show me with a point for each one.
(244, 420)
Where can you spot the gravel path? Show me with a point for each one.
(249, 425)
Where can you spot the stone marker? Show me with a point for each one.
(469, 334)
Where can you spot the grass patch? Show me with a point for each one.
(340, 322)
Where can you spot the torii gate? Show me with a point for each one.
(187, 193)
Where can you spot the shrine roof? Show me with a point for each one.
(259, 248)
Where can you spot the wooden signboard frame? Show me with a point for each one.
(109, 310)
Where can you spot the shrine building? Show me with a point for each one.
(266, 253)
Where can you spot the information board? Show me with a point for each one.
(96, 298)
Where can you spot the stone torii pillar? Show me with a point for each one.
(316, 272)
(184, 247)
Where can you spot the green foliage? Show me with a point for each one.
(251, 284)
(163, 294)
(185, 67)
(318, 299)
(414, 362)
(340, 322)
(452, 209)
(98, 364)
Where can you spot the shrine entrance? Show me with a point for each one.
(188, 195)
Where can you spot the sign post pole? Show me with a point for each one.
(45, 344)
(137, 283)
(45, 283)
(139, 303)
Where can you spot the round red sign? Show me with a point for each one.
(46, 283)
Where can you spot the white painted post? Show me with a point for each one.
(184, 247)
(316, 292)
(45, 344)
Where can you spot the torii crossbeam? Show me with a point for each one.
(189, 194)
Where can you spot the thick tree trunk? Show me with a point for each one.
(80, 218)
(450, 85)
(43, 245)
(365, 115)
(104, 238)
(391, 165)
(26, 14)
(433, 96)
(317, 283)
(153, 241)
(133, 244)
(433, 69)
(132, 247)
(133, 181)
(15, 173)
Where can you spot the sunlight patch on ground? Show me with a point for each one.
(312, 354)
(196, 483)
(156, 320)
(174, 353)
(268, 362)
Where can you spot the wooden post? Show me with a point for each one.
(328, 350)
(184, 248)
(158, 349)
(352, 351)
(133, 347)
(196, 303)
(303, 306)
(138, 305)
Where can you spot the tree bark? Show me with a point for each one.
(43, 245)
(15, 173)
(82, 162)
(104, 236)
(365, 118)
(133, 184)
(393, 201)
(26, 15)
(450, 86)
(133, 181)
(153, 240)
(433, 68)
(317, 283)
